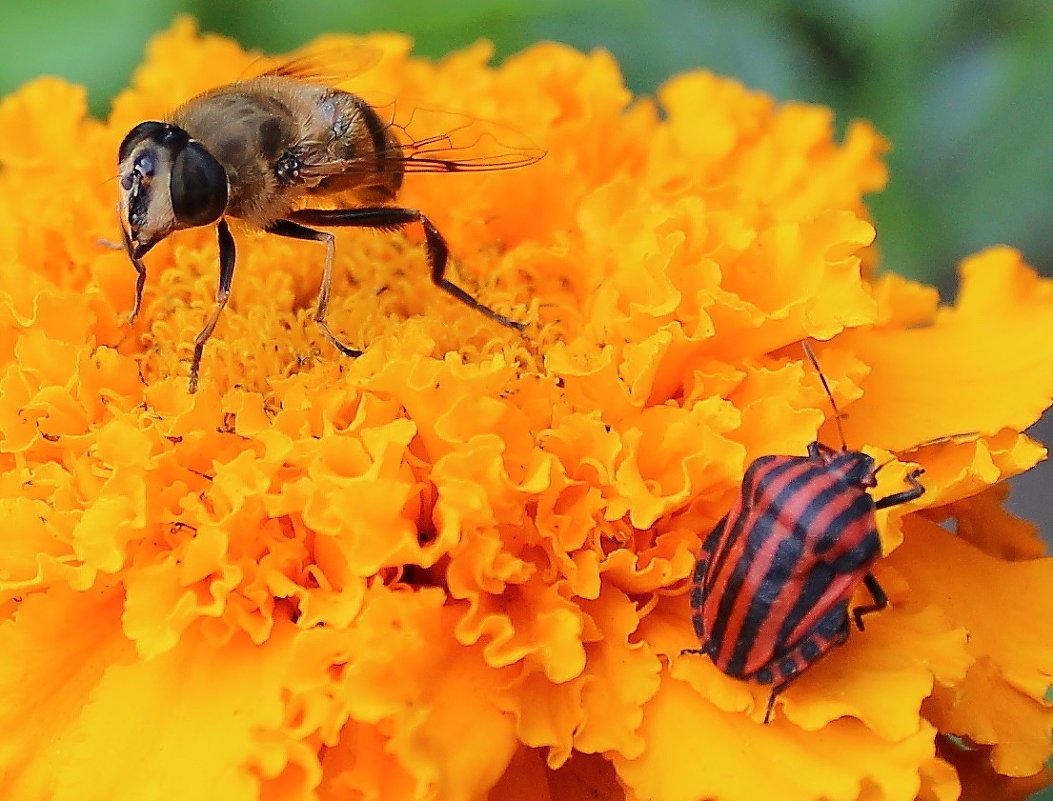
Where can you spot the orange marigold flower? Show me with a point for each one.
(457, 566)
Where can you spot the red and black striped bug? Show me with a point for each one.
(774, 578)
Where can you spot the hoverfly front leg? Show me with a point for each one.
(296, 231)
(140, 278)
(388, 218)
(227, 255)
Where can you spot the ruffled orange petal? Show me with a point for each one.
(1000, 702)
(600, 711)
(979, 780)
(982, 520)
(58, 649)
(996, 343)
(695, 750)
(179, 704)
(436, 731)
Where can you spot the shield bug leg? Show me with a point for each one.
(771, 703)
(879, 596)
(227, 255)
(829, 631)
(916, 491)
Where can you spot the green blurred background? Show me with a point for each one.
(963, 88)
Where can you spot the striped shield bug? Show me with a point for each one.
(774, 578)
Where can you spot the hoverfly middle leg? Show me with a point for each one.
(227, 253)
(296, 231)
(388, 218)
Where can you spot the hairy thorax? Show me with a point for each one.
(280, 138)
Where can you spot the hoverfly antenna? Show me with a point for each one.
(833, 404)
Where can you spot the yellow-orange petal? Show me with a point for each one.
(980, 781)
(995, 343)
(695, 750)
(220, 734)
(883, 674)
(1001, 701)
(44, 121)
(983, 521)
(600, 710)
(56, 651)
(462, 745)
(527, 620)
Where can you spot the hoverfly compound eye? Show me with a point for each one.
(199, 187)
(145, 163)
(139, 134)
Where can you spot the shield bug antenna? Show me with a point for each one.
(774, 578)
(826, 387)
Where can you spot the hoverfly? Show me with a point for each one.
(259, 149)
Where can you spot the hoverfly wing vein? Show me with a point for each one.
(478, 164)
(446, 141)
(327, 65)
(447, 160)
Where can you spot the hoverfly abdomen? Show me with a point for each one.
(364, 146)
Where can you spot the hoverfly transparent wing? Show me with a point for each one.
(329, 65)
(444, 141)
(432, 141)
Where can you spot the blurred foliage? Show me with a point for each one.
(961, 87)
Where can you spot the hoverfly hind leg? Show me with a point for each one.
(438, 255)
(388, 218)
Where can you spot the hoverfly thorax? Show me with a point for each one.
(168, 181)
